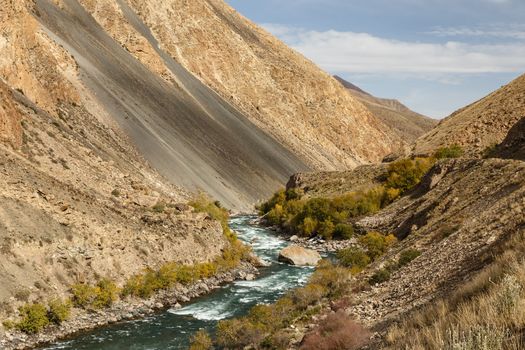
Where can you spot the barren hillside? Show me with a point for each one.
(478, 127)
(408, 124)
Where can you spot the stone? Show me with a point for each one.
(249, 277)
(294, 238)
(299, 256)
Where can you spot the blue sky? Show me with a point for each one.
(433, 55)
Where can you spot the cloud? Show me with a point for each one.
(362, 53)
(511, 31)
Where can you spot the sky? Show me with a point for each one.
(435, 56)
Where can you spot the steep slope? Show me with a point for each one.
(279, 90)
(479, 126)
(76, 204)
(271, 112)
(408, 124)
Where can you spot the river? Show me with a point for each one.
(172, 329)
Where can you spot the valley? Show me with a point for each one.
(174, 176)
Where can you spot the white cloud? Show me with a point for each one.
(349, 52)
(515, 31)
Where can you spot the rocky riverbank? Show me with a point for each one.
(124, 310)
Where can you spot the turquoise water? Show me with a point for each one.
(172, 329)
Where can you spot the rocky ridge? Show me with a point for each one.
(480, 126)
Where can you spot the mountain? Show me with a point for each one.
(209, 99)
(407, 124)
(480, 126)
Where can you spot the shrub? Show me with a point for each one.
(59, 311)
(308, 227)
(326, 229)
(159, 207)
(203, 204)
(115, 193)
(335, 279)
(34, 318)
(343, 231)
(83, 295)
(308, 295)
(407, 256)
(454, 151)
(278, 198)
(201, 341)
(405, 174)
(106, 293)
(376, 244)
(353, 257)
(379, 277)
(98, 297)
(238, 333)
(337, 331)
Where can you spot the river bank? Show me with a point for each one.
(125, 310)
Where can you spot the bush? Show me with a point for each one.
(34, 318)
(238, 333)
(337, 331)
(97, 297)
(326, 229)
(380, 276)
(308, 295)
(405, 174)
(407, 256)
(59, 311)
(353, 257)
(201, 341)
(376, 244)
(454, 151)
(115, 193)
(335, 279)
(343, 231)
(83, 295)
(106, 293)
(159, 207)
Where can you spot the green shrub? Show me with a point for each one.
(454, 151)
(376, 244)
(59, 311)
(326, 229)
(278, 198)
(106, 293)
(34, 318)
(97, 297)
(355, 258)
(334, 279)
(380, 276)
(83, 295)
(9, 325)
(343, 231)
(407, 256)
(405, 174)
(308, 227)
(201, 341)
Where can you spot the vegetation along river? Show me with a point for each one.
(172, 329)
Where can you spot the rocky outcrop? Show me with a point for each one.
(513, 147)
(10, 118)
(299, 256)
(481, 126)
(333, 183)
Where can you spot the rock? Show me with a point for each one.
(249, 277)
(177, 306)
(145, 201)
(299, 256)
(294, 238)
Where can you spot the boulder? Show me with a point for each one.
(299, 256)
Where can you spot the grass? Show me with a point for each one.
(488, 312)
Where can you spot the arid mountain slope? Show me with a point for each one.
(279, 90)
(480, 126)
(408, 124)
(76, 204)
(271, 112)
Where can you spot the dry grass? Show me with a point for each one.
(487, 313)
